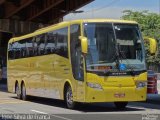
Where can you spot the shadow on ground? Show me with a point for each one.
(101, 107)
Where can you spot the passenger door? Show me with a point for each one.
(77, 62)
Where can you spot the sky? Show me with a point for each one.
(114, 8)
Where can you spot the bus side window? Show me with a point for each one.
(10, 51)
(31, 50)
(40, 44)
(35, 53)
(17, 50)
(22, 45)
(62, 46)
(29, 47)
(50, 46)
(13, 50)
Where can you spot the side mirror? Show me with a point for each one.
(152, 44)
(84, 44)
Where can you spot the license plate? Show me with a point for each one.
(119, 95)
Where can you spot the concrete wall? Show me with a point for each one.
(18, 27)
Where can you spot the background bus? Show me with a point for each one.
(152, 82)
(89, 61)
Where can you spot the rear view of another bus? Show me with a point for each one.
(152, 82)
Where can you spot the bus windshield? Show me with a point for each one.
(109, 43)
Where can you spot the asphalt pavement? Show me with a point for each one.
(43, 108)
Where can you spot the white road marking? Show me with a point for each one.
(38, 112)
(61, 117)
(51, 115)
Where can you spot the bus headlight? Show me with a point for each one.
(94, 85)
(141, 84)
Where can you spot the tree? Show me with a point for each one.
(149, 22)
(150, 26)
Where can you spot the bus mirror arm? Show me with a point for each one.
(84, 44)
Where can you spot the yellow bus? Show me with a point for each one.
(80, 61)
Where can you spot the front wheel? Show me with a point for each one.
(69, 98)
(120, 105)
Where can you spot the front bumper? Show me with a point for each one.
(115, 94)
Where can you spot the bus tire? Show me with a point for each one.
(18, 92)
(120, 105)
(69, 98)
(23, 91)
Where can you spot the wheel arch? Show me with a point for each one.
(66, 84)
(16, 82)
(23, 85)
(22, 82)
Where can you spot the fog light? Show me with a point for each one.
(94, 86)
(141, 84)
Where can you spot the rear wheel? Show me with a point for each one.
(18, 92)
(121, 105)
(69, 98)
(24, 96)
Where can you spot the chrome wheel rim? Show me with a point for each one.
(69, 97)
(17, 90)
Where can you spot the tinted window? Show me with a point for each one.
(62, 47)
(22, 45)
(29, 47)
(57, 42)
(10, 51)
(51, 40)
(16, 50)
(54, 42)
(40, 40)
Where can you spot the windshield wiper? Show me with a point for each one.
(119, 55)
(123, 56)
